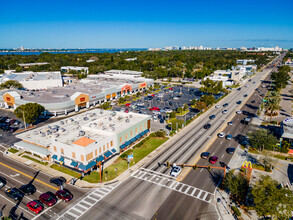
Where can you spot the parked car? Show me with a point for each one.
(36, 206)
(175, 171)
(154, 109)
(58, 180)
(226, 105)
(14, 193)
(64, 195)
(2, 182)
(12, 121)
(213, 159)
(48, 198)
(127, 104)
(162, 121)
(205, 155)
(230, 150)
(28, 189)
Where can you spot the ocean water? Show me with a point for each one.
(74, 51)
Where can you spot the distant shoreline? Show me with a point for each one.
(63, 51)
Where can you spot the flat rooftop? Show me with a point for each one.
(96, 125)
(31, 76)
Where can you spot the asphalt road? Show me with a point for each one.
(151, 193)
(18, 174)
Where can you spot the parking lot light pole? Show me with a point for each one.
(23, 119)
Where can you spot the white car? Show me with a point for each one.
(225, 111)
(155, 118)
(217, 106)
(221, 135)
(263, 86)
(175, 97)
(168, 110)
(175, 171)
(239, 112)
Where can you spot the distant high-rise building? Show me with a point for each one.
(21, 48)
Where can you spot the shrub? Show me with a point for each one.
(236, 210)
(125, 154)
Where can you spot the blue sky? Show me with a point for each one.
(145, 23)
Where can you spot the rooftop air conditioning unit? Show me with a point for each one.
(113, 114)
(101, 112)
(113, 128)
(120, 118)
(85, 118)
(127, 120)
(110, 119)
(62, 129)
(130, 116)
(61, 122)
(81, 133)
(104, 128)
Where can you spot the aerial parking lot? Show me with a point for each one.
(159, 104)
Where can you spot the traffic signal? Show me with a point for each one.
(183, 166)
(167, 164)
(195, 167)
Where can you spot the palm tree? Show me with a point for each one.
(272, 106)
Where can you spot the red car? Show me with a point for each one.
(155, 109)
(153, 95)
(126, 110)
(65, 195)
(127, 104)
(48, 198)
(36, 206)
(170, 88)
(213, 159)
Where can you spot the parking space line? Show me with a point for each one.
(29, 176)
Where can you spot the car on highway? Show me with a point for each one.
(213, 159)
(246, 113)
(231, 123)
(175, 97)
(28, 189)
(48, 198)
(225, 111)
(263, 86)
(36, 206)
(207, 126)
(238, 102)
(205, 155)
(2, 182)
(217, 106)
(245, 95)
(212, 117)
(239, 112)
(175, 171)
(230, 150)
(229, 137)
(239, 89)
(226, 105)
(253, 101)
(221, 135)
(58, 180)
(14, 193)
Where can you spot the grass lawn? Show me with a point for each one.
(35, 160)
(65, 170)
(12, 150)
(121, 164)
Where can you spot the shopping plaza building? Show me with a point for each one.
(59, 98)
(84, 140)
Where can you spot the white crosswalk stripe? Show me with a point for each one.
(86, 203)
(168, 182)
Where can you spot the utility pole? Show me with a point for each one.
(23, 118)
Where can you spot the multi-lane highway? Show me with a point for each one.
(151, 192)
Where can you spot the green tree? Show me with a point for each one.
(208, 99)
(262, 139)
(237, 185)
(11, 84)
(271, 200)
(29, 112)
(199, 105)
(212, 87)
(272, 105)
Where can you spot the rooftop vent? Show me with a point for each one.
(81, 133)
(61, 122)
(113, 114)
(130, 116)
(120, 118)
(104, 128)
(71, 119)
(127, 120)
(85, 118)
(110, 119)
(62, 129)
(101, 112)
(113, 128)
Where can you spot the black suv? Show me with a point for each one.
(212, 117)
(28, 189)
(14, 193)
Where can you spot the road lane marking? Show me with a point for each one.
(223, 155)
(28, 176)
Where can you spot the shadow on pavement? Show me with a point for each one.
(290, 173)
(216, 176)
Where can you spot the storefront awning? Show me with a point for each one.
(113, 151)
(108, 154)
(61, 159)
(100, 159)
(73, 163)
(54, 157)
